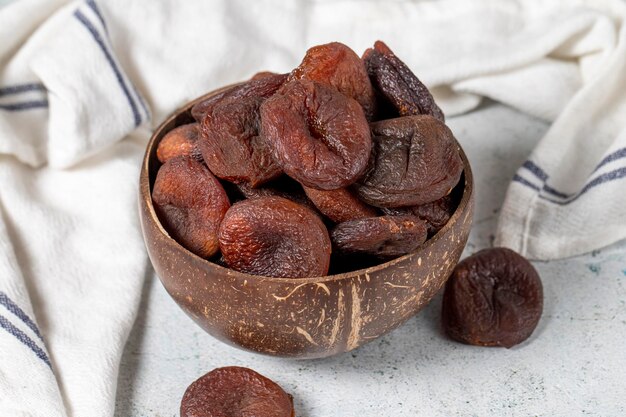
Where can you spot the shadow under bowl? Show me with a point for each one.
(299, 317)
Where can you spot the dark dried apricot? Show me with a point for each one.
(262, 87)
(200, 109)
(493, 298)
(265, 191)
(180, 141)
(337, 65)
(415, 161)
(273, 236)
(231, 145)
(397, 83)
(435, 214)
(232, 191)
(339, 205)
(234, 391)
(383, 236)
(319, 136)
(282, 186)
(263, 74)
(191, 203)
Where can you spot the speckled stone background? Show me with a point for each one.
(574, 364)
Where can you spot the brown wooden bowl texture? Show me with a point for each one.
(300, 317)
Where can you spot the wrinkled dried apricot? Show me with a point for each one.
(384, 236)
(493, 298)
(180, 141)
(273, 236)
(339, 205)
(234, 391)
(319, 136)
(190, 202)
(337, 65)
(200, 109)
(262, 87)
(435, 214)
(283, 186)
(231, 145)
(397, 83)
(265, 191)
(415, 161)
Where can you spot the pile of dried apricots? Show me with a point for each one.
(343, 159)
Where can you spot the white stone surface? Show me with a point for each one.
(574, 363)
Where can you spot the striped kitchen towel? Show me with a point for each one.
(72, 261)
(83, 82)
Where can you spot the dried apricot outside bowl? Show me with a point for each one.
(299, 317)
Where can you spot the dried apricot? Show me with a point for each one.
(231, 145)
(180, 141)
(435, 214)
(337, 65)
(262, 87)
(339, 205)
(397, 83)
(234, 391)
(263, 74)
(493, 298)
(384, 236)
(265, 191)
(282, 186)
(273, 236)
(415, 161)
(191, 203)
(200, 109)
(319, 136)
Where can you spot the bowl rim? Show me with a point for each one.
(146, 196)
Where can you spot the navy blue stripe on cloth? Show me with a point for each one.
(118, 75)
(19, 313)
(525, 182)
(535, 169)
(618, 154)
(541, 174)
(92, 4)
(554, 192)
(143, 104)
(569, 198)
(21, 88)
(616, 174)
(26, 341)
(26, 105)
(96, 10)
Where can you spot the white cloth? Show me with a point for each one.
(81, 84)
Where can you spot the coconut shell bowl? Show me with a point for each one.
(299, 317)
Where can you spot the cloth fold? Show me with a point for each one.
(82, 83)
